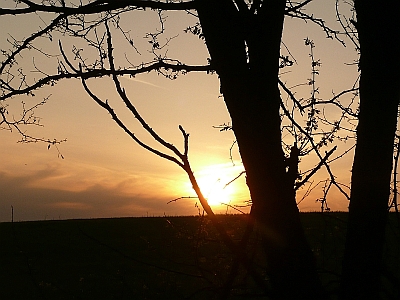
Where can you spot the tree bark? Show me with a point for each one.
(378, 31)
(249, 83)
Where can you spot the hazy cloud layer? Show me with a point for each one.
(51, 194)
(31, 202)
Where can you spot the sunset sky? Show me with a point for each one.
(104, 173)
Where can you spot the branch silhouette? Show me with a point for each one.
(181, 160)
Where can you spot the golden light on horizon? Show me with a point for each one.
(216, 184)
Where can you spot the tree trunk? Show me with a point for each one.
(249, 83)
(378, 30)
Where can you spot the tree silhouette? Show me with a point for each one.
(243, 39)
(376, 26)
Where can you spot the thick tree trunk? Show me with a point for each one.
(378, 29)
(250, 88)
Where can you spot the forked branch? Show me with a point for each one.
(181, 159)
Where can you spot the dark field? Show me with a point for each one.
(153, 258)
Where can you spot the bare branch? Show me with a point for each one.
(185, 140)
(336, 103)
(129, 104)
(66, 58)
(184, 197)
(234, 179)
(314, 147)
(348, 26)
(27, 117)
(106, 106)
(320, 164)
(330, 33)
(28, 40)
(291, 95)
(106, 72)
(297, 7)
(98, 6)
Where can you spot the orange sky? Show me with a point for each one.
(105, 174)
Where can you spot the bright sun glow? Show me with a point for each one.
(215, 191)
(213, 182)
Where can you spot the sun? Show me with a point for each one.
(218, 185)
(213, 183)
(215, 191)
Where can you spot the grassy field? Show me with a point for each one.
(150, 258)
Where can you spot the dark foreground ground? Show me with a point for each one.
(153, 258)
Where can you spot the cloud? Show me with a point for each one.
(33, 201)
(60, 191)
